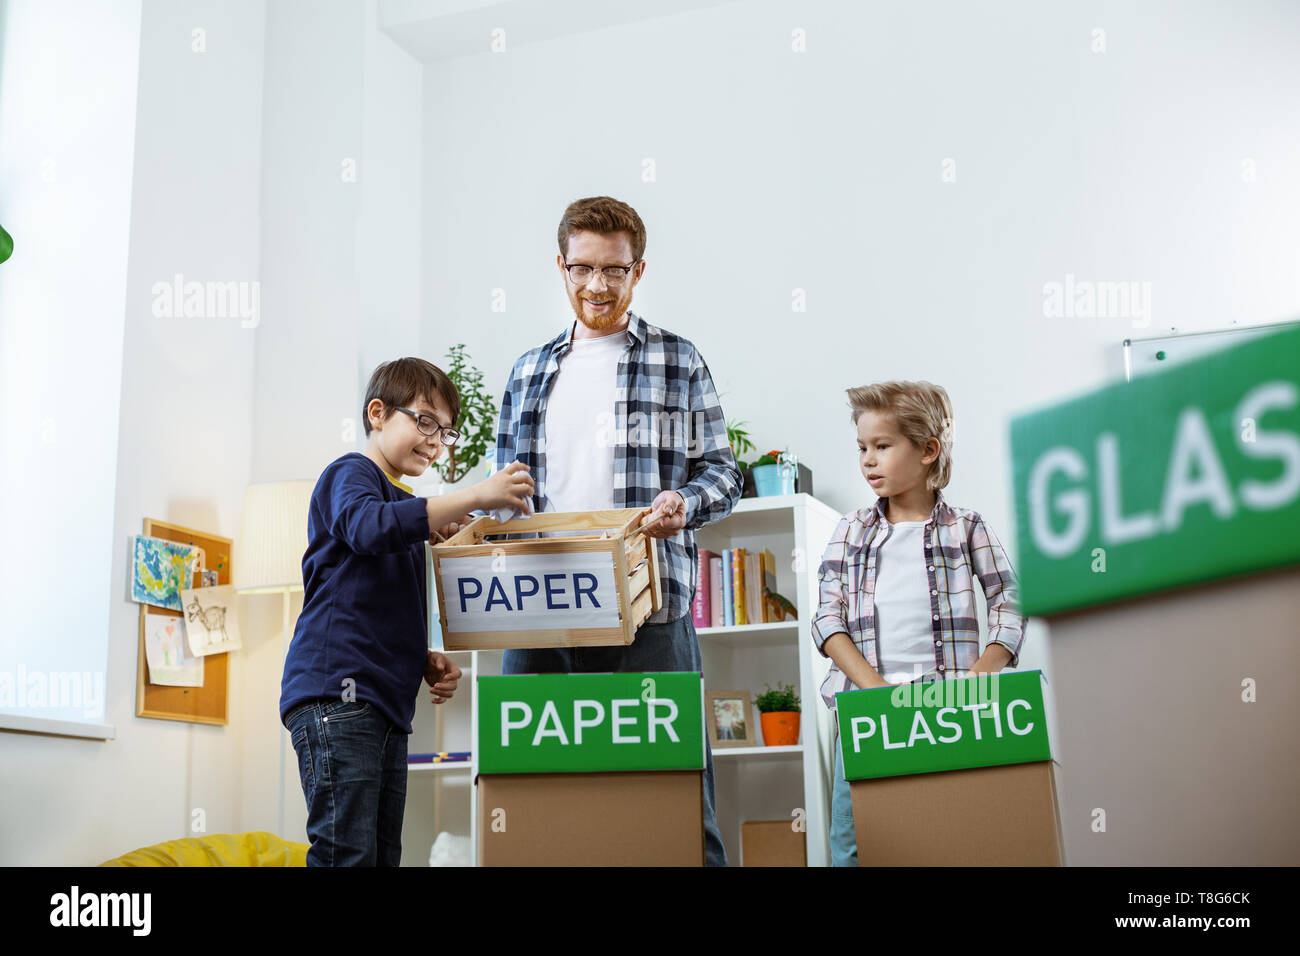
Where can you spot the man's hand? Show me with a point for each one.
(441, 674)
(668, 503)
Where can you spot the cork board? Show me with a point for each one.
(202, 705)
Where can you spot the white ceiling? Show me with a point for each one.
(432, 30)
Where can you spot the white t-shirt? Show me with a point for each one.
(903, 605)
(580, 425)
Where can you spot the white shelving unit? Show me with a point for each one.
(751, 783)
(774, 783)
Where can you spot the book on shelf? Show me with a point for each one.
(701, 609)
(753, 590)
(728, 609)
(738, 586)
(767, 575)
(715, 599)
(443, 756)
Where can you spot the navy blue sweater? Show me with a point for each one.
(365, 610)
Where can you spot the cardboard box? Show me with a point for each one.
(646, 818)
(772, 843)
(1189, 765)
(981, 816)
(951, 773)
(591, 769)
(592, 589)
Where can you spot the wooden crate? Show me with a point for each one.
(498, 593)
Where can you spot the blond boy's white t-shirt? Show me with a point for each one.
(903, 620)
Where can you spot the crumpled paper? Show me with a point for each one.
(507, 513)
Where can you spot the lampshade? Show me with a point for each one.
(272, 536)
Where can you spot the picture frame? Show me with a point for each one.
(729, 715)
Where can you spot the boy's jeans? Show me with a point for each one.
(673, 646)
(844, 842)
(352, 765)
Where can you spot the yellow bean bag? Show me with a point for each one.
(220, 849)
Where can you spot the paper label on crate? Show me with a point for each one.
(588, 723)
(983, 721)
(513, 592)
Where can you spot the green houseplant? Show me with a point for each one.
(738, 438)
(778, 712)
(476, 422)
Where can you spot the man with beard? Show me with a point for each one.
(616, 413)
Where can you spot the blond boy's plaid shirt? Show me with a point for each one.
(959, 548)
(669, 434)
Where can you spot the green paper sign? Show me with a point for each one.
(1171, 479)
(586, 723)
(984, 721)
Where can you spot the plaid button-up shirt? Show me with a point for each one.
(959, 547)
(669, 434)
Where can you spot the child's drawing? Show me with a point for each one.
(169, 660)
(161, 569)
(210, 620)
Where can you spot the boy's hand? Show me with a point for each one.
(668, 503)
(441, 674)
(511, 487)
(994, 658)
(447, 530)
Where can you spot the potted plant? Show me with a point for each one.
(778, 472)
(778, 712)
(476, 423)
(738, 438)
(774, 474)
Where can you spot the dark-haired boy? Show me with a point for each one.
(360, 648)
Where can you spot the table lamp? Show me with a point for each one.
(268, 556)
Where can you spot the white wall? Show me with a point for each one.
(341, 229)
(183, 451)
(67, 133)
(822, 171)
(340, 186)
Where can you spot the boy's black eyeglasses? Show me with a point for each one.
(429, 426)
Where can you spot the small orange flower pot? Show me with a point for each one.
(780, 728)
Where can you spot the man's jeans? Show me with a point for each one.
(352, 765)
(658, 647)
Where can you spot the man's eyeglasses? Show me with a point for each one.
(428, 425)
(614, 275)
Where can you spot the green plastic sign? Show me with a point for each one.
(587, 723)
(983, 721)
(1180, 477)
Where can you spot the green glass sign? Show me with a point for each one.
(585, 723)
(1171, 479)
(983, 721)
